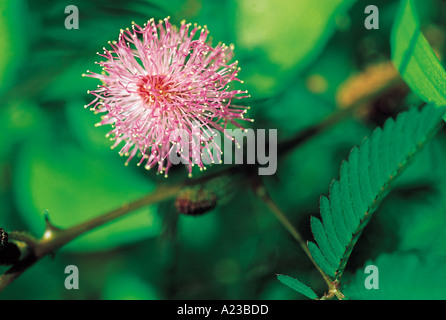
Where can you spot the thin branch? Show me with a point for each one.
(55, 238)
(262, 193)
(336, 117)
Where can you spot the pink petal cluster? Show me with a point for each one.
(159, 78)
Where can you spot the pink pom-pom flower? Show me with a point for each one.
(158, 79)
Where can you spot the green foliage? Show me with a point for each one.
(402, 276)
(297, 285)
(414, 57)
(127, 286)
(312, 23)
(422, 228)
(315, 162)
(11, 40)
(365, 179)
(55, 177)
(294, 57)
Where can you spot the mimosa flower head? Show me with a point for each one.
(157, 79)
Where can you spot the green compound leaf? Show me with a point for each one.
(414, 57)
(365, 179)
(297, 286)
(399, 276)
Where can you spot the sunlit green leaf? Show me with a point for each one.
(414, 57)
(75, 186)
(288, 34)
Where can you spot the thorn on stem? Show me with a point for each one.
(50, 229)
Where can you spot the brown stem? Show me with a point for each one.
(55, 238)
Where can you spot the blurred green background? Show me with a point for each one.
(294, 55)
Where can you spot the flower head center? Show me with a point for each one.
(155, 89)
